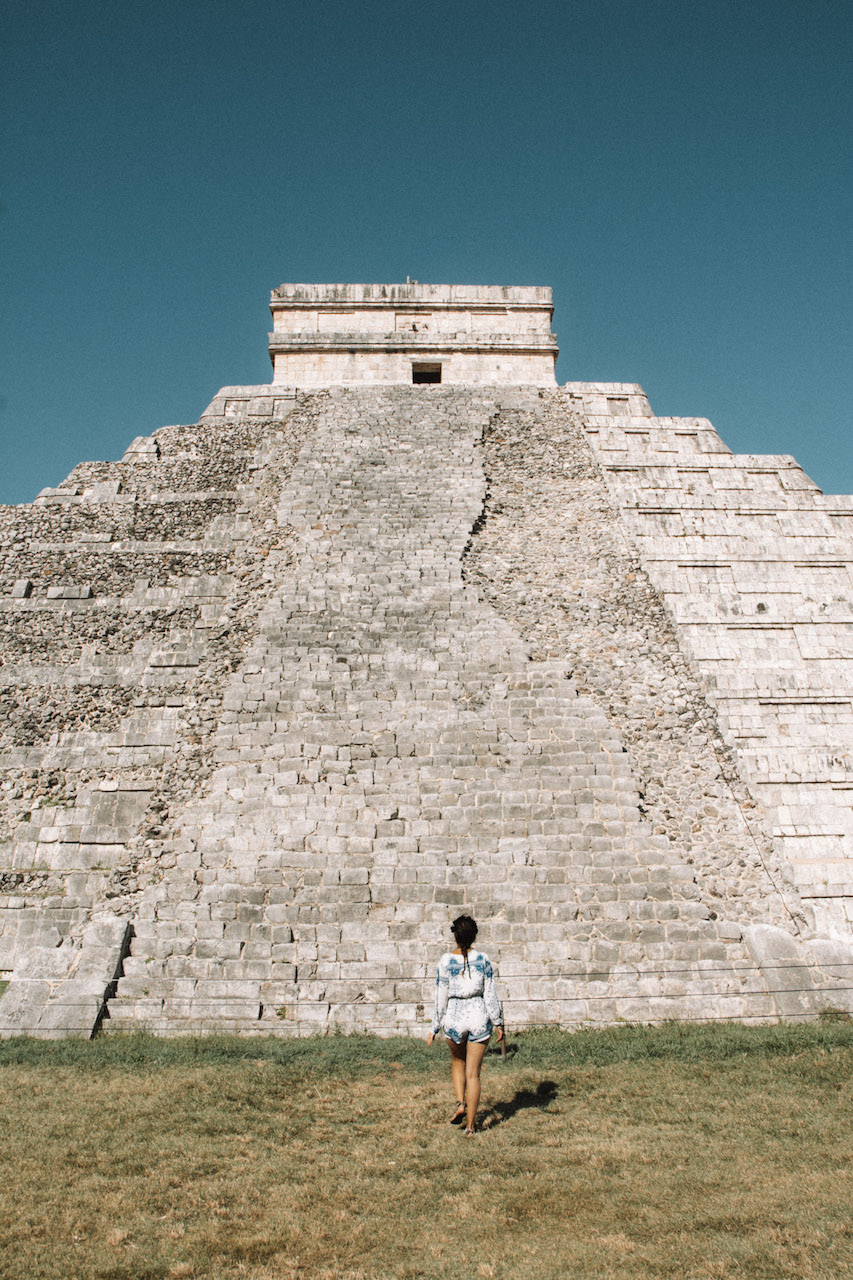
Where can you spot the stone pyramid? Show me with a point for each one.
(409, 631)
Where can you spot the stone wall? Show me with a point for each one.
(127, 596)
(340, 359)
(755, 566)
(551, 555)
(286, 690)
(356, 333)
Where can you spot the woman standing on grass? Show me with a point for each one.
(468, 1010)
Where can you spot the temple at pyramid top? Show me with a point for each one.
(328, 334)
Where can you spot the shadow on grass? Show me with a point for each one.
(544, 1093)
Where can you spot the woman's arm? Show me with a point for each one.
(442, 986)
(490, 995)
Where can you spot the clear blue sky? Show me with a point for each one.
(678, 170)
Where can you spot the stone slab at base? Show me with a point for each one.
(62, 989)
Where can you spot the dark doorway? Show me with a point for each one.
(426, 373)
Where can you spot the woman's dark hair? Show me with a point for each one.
(464, 930)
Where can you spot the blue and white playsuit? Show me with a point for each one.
(466, 998)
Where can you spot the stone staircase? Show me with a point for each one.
(287, 690)
(389, 755)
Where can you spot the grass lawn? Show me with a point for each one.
(697, 1153)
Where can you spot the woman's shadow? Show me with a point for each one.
(544, 1093)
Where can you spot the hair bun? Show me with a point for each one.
(464, 930)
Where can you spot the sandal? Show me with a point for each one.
(459, 1115)
(470, 1133)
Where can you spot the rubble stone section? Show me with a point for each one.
(127, 596)
(551, 555)
(391, 753)
(754, 565)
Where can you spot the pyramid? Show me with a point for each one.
(411, 631)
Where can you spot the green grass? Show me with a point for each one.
(674, 1041)
(687, 1152)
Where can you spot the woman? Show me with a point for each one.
(468, 1009)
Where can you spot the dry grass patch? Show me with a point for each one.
(333, 1160)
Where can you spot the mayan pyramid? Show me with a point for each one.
(412, 630)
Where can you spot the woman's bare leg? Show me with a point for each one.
(457, 1069)
(473, 1062)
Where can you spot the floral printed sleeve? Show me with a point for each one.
(490, 995)
(442, 986)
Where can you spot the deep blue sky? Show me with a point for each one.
(678, 170)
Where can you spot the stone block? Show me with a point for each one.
(730, 930)
(70, 592)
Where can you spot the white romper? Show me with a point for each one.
(466, 998)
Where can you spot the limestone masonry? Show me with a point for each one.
(411, 630)
(325, 334)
